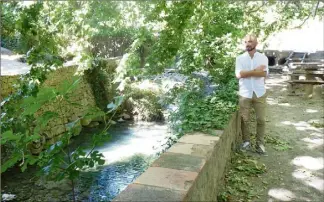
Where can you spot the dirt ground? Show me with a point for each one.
(294, 162)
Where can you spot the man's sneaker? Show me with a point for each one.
(260, 149)
(245, 146)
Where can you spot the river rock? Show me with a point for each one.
(120, 120)
(126, 116)
(93, 124)
(98, 119)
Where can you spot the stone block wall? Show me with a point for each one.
(82, 96)
(193, 169)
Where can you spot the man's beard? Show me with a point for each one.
(250, 48)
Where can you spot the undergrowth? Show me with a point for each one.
(238, 185)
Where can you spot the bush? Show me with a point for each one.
(197, 112)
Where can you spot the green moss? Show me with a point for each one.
(100, 78)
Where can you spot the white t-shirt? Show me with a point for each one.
(251, 84)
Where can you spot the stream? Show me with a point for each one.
(128, 154)
(130, 151)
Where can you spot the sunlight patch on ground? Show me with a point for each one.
(269, 86)
(302, 126)
(281, 194)
(311, 110)
(313, 142)
(309, 179)
(275, 81)
(309, 162)
(287, 122)
(316, 183)
(316, 121)
(284, 104)
(272, 101)
(317, 134)
(302, 174)
(278, 101)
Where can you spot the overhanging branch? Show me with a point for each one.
(310, 13)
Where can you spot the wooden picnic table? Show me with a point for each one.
(306, 60)
(308, 63)
(307, 66)
(314, 76)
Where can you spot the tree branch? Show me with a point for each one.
(310, 13)
(316, 8)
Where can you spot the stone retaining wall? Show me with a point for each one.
(191, 170)
(82, 96)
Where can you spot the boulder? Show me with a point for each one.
(126, 116)
(85, 121)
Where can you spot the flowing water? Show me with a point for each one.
(128, 153)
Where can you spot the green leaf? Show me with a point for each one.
(32, 138)
(118, 100)
(43, 120)
(30, 110)
(28, 101)
(55, 147)
(101, 162)
(9, 136)
(60, 176)
(29, 160)
(69, 85)
(94, 113)
(11, 162)
(45, 94)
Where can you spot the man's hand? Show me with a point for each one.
(260, 71)
(261, 68)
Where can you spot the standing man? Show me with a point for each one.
(251, 70)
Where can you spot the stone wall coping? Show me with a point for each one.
(190, 170)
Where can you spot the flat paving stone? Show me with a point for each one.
(167, 178)
(138, 192)
(192, 149)
(180, 162)
(199, 138)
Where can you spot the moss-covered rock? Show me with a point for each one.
(143, 105)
